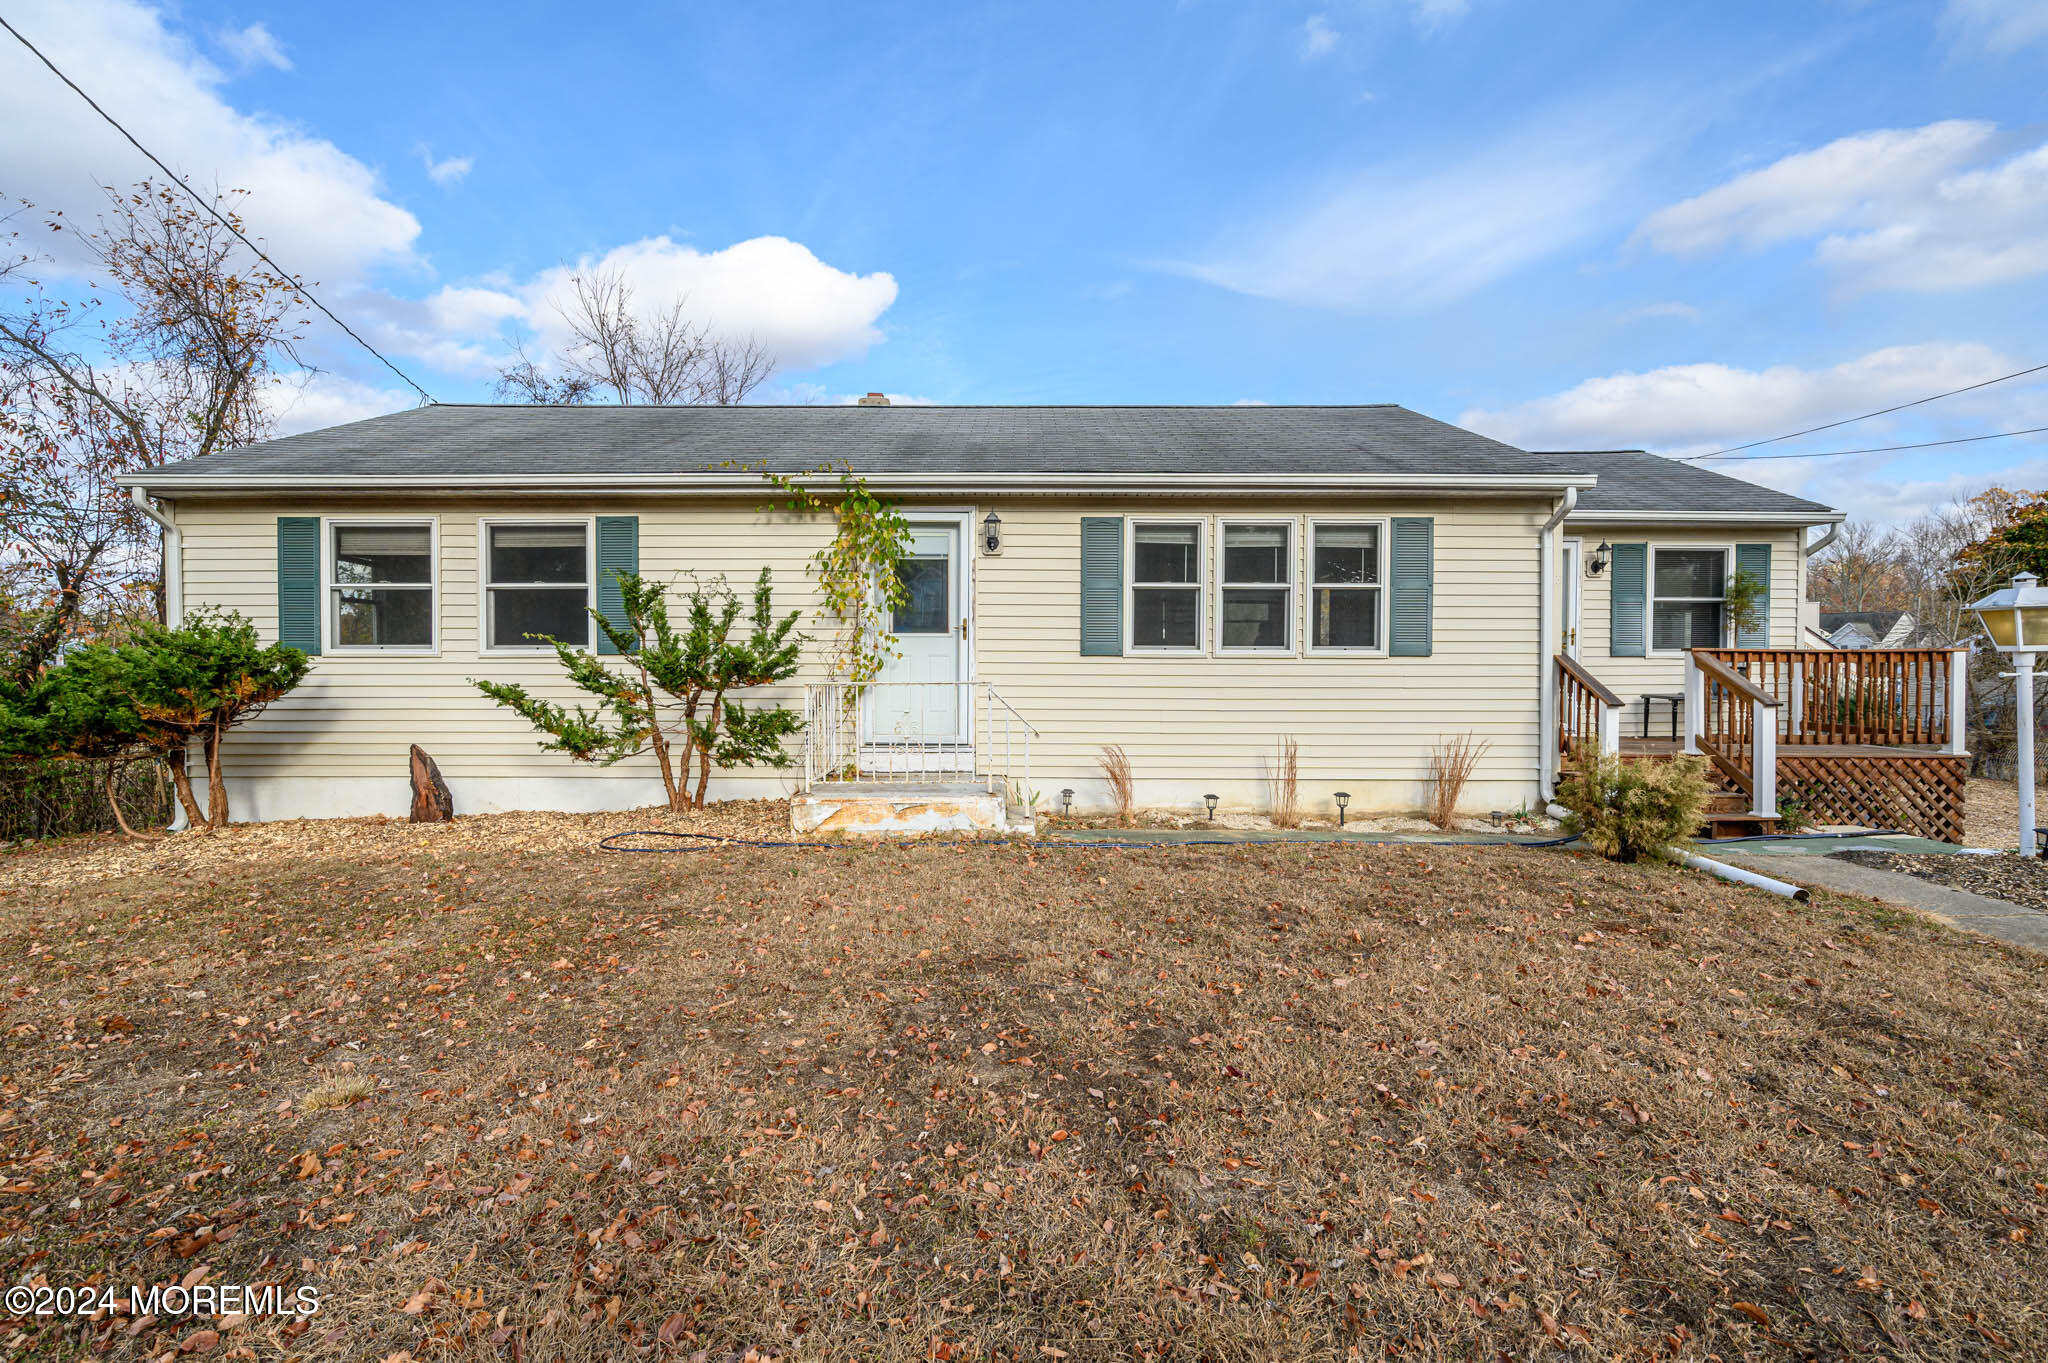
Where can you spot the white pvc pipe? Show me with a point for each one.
(1738, 874)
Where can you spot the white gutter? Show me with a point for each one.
(174, 556)
(1546, 674)
(1801, 518)
(752, 485)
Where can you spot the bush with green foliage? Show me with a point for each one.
(158, 692)
(1624, 809)
(674, 693)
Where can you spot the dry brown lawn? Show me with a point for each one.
(502, 1097)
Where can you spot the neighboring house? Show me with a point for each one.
(1191, 584)
(1869, 629)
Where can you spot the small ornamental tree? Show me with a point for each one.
(675, 694)
(160, 692)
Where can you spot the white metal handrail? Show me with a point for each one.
(916, 733)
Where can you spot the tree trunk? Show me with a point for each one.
(704, 752)
(431, 800)
(181, 781)
(114, 803)
(216, 787)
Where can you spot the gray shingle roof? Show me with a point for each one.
(455, 440)
(1636, 480)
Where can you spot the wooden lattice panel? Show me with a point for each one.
(1913, 792)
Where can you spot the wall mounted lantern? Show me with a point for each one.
(1597, 564)
(991, 534)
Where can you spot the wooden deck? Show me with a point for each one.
(1915, 788)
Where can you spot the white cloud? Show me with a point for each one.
(1434, 14)
(1910, 209)
(310, 401)
(1691, 408)
(803, 311)
(1318, 38)
(1406, 237)
(447, 171)
(1869, 489)
(1995, 26)
(1651, 312)
(320, 210)
(253, 46)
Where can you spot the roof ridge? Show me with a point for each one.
(920, 406)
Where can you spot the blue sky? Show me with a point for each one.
(1593, 225)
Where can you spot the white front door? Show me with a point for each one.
(1568, 597)
(921, 700)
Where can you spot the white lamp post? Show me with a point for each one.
(2016, 618)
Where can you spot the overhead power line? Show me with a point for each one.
(199, 199)
(1874, 449)
(1885, 411)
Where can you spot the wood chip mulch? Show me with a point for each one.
(2006, 876)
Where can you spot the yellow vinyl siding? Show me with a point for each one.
(1632, 678)
(1189, 723)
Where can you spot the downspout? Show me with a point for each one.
(174, 557)
(174, 597)
(1825, 540)
(1546, 666)
(1806, 553)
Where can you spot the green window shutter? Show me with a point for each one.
(1412, 586)
(1755, 559)
(1626, 634)
(1102, 586)
(298, 582)
(618, 551)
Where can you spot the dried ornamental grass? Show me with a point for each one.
(1116, 769)
(1451, 764)
(1284, 809)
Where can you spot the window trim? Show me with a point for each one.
(1292, 525)
(330, 609)
(1384, 524)
(1200, 585)
(484, 647)
(1650, 598)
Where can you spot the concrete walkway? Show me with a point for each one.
(2011, 923)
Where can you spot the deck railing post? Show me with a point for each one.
(1763, 747)
(1695, 704)
(1795, 722)
(1610, 730)
(1959, 699)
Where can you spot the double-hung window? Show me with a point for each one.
(1166, 586)
(537, 584)
(1688, 598)
(1347, 571)
(1257, 591)
(380, 585)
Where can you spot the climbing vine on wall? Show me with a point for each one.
(856, 570)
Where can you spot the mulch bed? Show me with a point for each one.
(2007, 876)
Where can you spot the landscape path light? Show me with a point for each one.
(2016, 618)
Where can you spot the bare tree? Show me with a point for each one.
(88, 391)
(1861, 570)
(632, 356)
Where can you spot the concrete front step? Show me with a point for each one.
(860, 807)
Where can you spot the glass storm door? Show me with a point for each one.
(920, 700)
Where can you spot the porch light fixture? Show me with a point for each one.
(1343, 799)
(1210, 800)
(1598, 563)
(1067, 800)
(2016, 618)
(991, 534)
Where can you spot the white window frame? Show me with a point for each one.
(1727, 553)
(1200, 585)
(1308, 587)
(330, 589)
(1290, 524)
(484, 585)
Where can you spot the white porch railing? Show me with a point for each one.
(916, 733)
